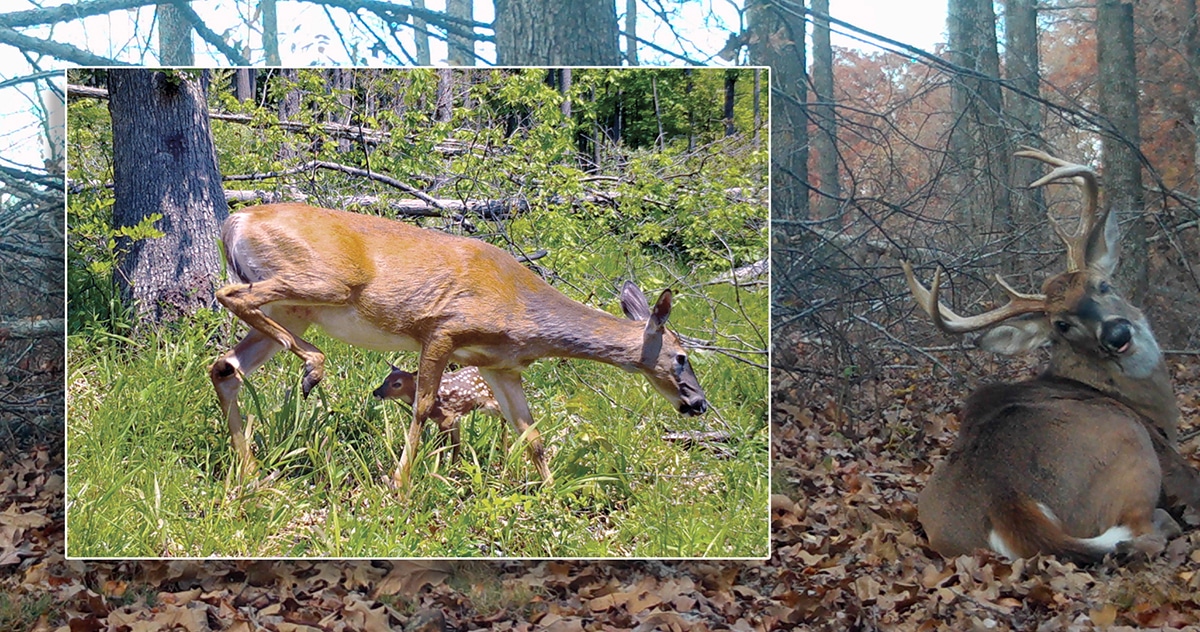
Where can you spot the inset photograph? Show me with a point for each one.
(509, 313)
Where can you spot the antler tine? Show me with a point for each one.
(949, 322)
(1090, 220)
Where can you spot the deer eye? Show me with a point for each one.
(1062, 325)
(680, 363)
(1104, 287)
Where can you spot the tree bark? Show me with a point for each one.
(980, 152)
(443, 110)
(421, 35)
(461, 49)
(1021, 62)
(631, 54)
(825, 140)
(289, 107)
(564, 87)
(1118, 84)
(164, 162)
(174, 37)
(341, 81)
(555, 33)
(730, 98)
(270, 23)
(777, 40)
(243, 84)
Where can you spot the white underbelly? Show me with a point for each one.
(347, 325)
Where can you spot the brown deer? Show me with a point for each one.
(382, 284)
(462, 391)
(1077, 461)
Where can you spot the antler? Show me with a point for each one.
(952, 323)
(1090, 220)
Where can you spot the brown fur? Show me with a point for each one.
(1086, 449)
(461, 392)
(386, 285)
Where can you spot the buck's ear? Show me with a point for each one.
(1016, 336)
(1104, 247)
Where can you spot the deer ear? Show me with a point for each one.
(1017, 336)
(633, 302)
(662, 310)
(1104, 247)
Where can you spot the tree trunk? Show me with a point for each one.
(564, 87)
(980, 153)
(555, 33)
(243, 84)
(825, 141)
(341, 81)
(631, 55)
(443, 110)
(289, 107)
(757, 105)
(164, 162)
(1191, 18)
(174, 37)
(777, 40)
(421, 35)
(1122, 169)
(730, 98)
(270, 32)
(461, 49)
(1021, 61)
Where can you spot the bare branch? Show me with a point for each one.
(65, 52)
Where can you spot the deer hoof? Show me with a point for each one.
(311, 377)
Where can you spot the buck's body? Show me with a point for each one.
(1048, 446)
(385, 285)
(1078, 462)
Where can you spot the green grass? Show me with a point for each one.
(150, 465)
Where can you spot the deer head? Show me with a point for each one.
(1078, 311)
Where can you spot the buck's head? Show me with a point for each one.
(399, 384)
(1078, 311)
(663, 360)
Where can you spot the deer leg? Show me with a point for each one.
(226, 375)
(449, 426)
(506, 387)
(435, 355)
(247, 301)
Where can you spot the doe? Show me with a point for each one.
(385, 285)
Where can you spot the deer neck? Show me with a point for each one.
(1150, 395)
(574, 330)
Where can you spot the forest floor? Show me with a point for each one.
(848, 551)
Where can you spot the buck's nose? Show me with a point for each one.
(1115, 334)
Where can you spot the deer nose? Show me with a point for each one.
(1115, 334)
(693, 408)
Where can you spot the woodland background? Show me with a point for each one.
(594, 176)
(908, 152)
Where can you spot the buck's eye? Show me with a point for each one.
(1104, 287)
(1062, 325)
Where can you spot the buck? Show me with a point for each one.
(461, 392)
(1078, 461)
(385, 285)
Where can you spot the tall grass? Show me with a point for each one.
(151, 472)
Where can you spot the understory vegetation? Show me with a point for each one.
(590, 198)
